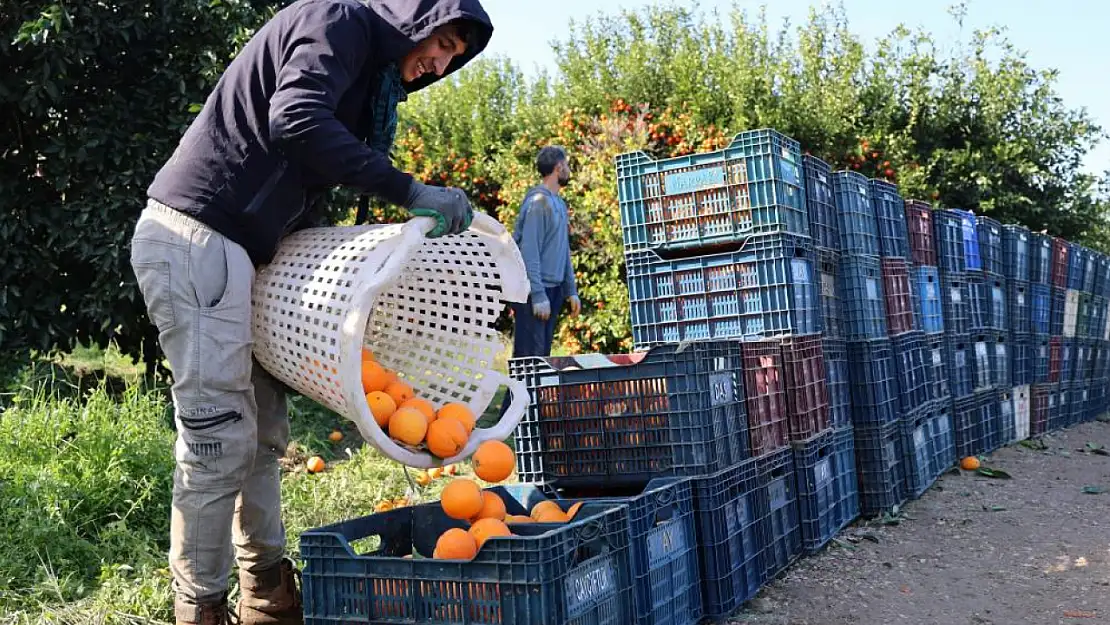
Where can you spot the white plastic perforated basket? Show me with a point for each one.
(425, 307)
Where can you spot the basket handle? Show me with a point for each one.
(504, 426)
(514, 277)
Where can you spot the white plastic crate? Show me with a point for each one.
(1021, 401)
(425, 307)
(1071, 312)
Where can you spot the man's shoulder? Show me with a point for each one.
(537, 198)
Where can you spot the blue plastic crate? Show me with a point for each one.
(880, 468)
(930, 445)
(825, 474)
(1019, 300)
(1080, 393)
(975, 424)
(1083, 315)
(872, 375)
(662, 539)
(1007, 426)
(1059, 408)
(969, 233)
(1098, 317)
(1056, 312)
(1041, 354)
(766, 289)
(783, 528)
(911, 370)
(1096, 400)
(955, 302)
(753, 186)
(937, 368)
(1101, 361)
(1071, 312)
(988, 303)
(1077, 266)
(566, 574)
(1090, 270)
(836, 381)
(861, 292)
(1102, 275)
(828, 293)
(960, 357)
(603, 420)
(1041, 308)
(729, 512)
(990, 244)
(1068, 349)
(1082, 360)
(859, 230)
(1040, 259)
(824, 226)
(890, 215)
(1016, 250)
(1021, 359)
(992, 361)
(948, 228)
(928, 310)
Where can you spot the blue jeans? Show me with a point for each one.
(532, 336)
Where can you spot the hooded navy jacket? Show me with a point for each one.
(289, 117)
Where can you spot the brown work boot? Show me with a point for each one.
(270, 596)
(215, 613)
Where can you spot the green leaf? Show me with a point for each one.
(1098, 449)
(1093, 490)
(195, 107)
(995, 473)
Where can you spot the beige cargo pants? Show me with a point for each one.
(232, 423)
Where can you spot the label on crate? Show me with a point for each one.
(589, 582)
(890, 458)
(872, 288)
(930, 291)
(936, 357)
(955, 295)
(822, 473)
(919, 437)
(799, 270)
(694, 180)
(942, 425)
(720, 389)
(828, 285)
(777, 491)
(666, 541)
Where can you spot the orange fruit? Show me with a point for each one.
(451, 469)
(400, 392)
(492, 507)
(423, 406)
(408, 426)
(485, 529)
(573, 510)
(518, 518)
(435, 473)
(382, 407)
(423, 478)
(456, 410)
(542, 507)
(455, 544)
(315, 464)
(335, 436)
(367, 354)
(552, 516)
(374, 377)
(493, 461)
(461, 499)
(970, 463)
(384, 506)
(446, 437)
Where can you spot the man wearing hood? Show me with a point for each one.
(310, 103)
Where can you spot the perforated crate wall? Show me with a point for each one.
(858, 227)
(928, 309)
(1040, 309)
(782, 529)
(1040, 259)
(896, 295)
(890, 213)
(937, 367)
(919, 222)
(961, 360)
(861, 290)
(1019, 297)
(837, 382)
(911, 371)
(874, 386)
(990, 244)
(824, 226)
(1016, 252)
(828, 293)
(955, 300)
(764, 384)
(828, 497)
(930, 445)
(807, 400)
(880, 468)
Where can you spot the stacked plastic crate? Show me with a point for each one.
(1045, 350)
(1021, 308)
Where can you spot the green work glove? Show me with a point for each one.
(449, 206)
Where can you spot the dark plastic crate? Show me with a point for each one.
(997, 302)
(1101, 361)
(1078, 403)
(1022, 396)
(992, 360)
(1097, 329)
(764, 290)
(783, 528)
(1056, 312)
(1007, 426)
(936, 367)
(1059, 268)
(1102, 275)
(880, 468)
(1041, 348)
(1041, 308)
(955, 301)
(988, 303)
(1082, 360)
(598, 419)
(1083, 316)
(930, 446)
(969, 233)
(873, 381)
(990, 244)
(663, 544)
(911, 371)
(861, 292)
(1089, 267)
(959, 355)
(764, 384)
(1096, 401)
(566, 574)
(1019, 296)
(896, 293)
(828, 293)
(975, 424)
(949, 236)
(859, 230)
(919, 223)
(807, 399)
(1016, 250)
(1055, 359)
(1040, 259)
(825, 474)
(1067, 359)
(1001, 359)
(836, 381)
(890, 214)
(824, 227)
(1038, 408)
(753, 186)
(1071, 312)
(1058, 407)
(927, 308)
(1021, 359)
(729, 515)
(1077, 266)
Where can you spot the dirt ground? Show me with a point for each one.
(972, 551)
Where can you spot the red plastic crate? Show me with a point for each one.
(766, 396)
(807, 397)
(1038, 409)
(896, 292)
(1054, 346)
(919, 222)
(1059, 263)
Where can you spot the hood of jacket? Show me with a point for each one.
(405, 23)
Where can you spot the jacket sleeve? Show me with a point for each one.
(570, 283)
(328, 46)
(533, 226)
